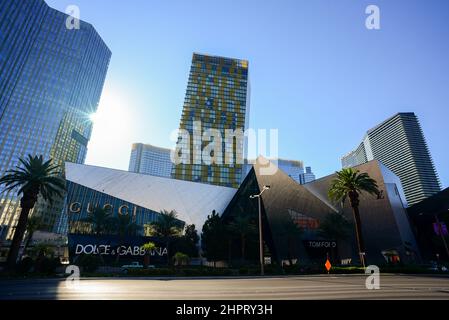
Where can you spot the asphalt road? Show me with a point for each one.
(301, 287)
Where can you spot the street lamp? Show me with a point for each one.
(258, 196)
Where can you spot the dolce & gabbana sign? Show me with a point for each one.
(107, 250)
(110, 246)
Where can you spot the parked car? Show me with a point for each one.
(133, 265)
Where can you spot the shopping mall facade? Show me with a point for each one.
(140, 196)
(385, 225)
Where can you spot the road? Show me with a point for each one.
(300, 287)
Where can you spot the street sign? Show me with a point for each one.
(328, 265)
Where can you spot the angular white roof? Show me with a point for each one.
(192, 201)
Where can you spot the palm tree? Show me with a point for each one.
(100, 220)
(32, 178)
(34, 223)
(124, 226)
(181, 259)
(42, 250)
(350, 183)
(167, 226)
(213, 237)
(335, 226)
(148, 247)
(242, 225)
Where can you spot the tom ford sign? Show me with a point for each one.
(318, 244)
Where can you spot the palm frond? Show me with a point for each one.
(34, 176)
(349, 181)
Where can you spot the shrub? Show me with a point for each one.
(347, 270)
(89, 263)
(243, 271)
(46, 265)
(150, 272)
(181, 259)
(272, 269)
(25, 265)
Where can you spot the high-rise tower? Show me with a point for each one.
(399, 144)
(51, 79)
(152, 160)
(217, 99)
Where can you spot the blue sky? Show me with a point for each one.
(317, 74)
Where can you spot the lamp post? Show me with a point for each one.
(258, 196)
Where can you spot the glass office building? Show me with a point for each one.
(217, 97)
(293, 168)
(307, 176)
(51, 79)
(148, 159)
(399, 144)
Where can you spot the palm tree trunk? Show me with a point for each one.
(146, 259)
(98, 251)
(358, 229)
(117, 258)
(18, 236)
(27, 243)
(120, 243)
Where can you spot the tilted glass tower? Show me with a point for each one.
(400, 145)
(217, 97)
(51, 79)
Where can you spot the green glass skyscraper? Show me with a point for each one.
(217, 97)
(51, 79)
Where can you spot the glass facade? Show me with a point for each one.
(293, 168)
(400, 145)
(148, 159)
(82, 200)
(217, 96)
(51, 79)
(307, 176)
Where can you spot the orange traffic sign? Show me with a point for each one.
(328, 265)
